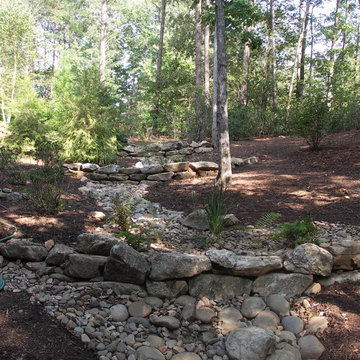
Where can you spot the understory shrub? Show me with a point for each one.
(215, 210)
(297, 232)
(47, 186)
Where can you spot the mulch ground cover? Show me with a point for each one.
(288, 179)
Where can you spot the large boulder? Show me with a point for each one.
(23, 249)
(288, 285)
(309, 259)
(230, 263)
(176, 265)
(126, 265)
(166, 289)
(59, 254)
(219, 286)
(95, 244)
(84, 266)
(250, 343)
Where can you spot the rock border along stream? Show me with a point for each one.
(164, 304)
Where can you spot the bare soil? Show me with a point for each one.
(288, 179)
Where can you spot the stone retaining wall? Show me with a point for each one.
(215, 274)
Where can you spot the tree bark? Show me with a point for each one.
(104, 19)
(297, 56)
(215, 133)
(198, 72)
(273, 54)
(224, 175)
(207, 64)
(159, 57)
(243, 96)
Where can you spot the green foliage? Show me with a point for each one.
(215, 210)
(123, 210)
(17, 176)
(86, 118)
(297, 232)
(311, 120)
(268, 220)
(138, 241)
(7, 157)
(47, 186)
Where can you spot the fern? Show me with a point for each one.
(267, 220)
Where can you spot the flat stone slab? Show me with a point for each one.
(166, 266)
(239, 265)
(85, 266)
(204, 165)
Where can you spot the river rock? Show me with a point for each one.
(126, 265)
(240, 265)
(59, 254)
(84, 266)
(119, 312)
(249, 343)
(170, 322)
(230, 320)
(278, 304)
(288, 285)
(177, 265)
(315, 324)
(139, 309)
(292, 324)
(219, 286)
(186, 356)
(267, 320)
(23, 249)
(95, 244)
(252, 306)
(149, 353)
(310, 347)
(309, 259)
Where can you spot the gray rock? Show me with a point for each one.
(137, 177)
(126, 265)
(119, 312)
(280, 354)
(310, 347)
(197, 220)
(288, 285)
(182, 175)
(120, 288)
(188, 312)
(169, 322)
(287, 336)
(84, 266)
(252, 306)
(204, 166)
(292, 324)
(95, 244)
(59, 254)
(278, 304)
(118, 177)
(169, 146)
(309, 259)
(139, 309)
(97, 177)
(154, 301)
(249, 343)
(185, 300)
(230, 320)
(292, 349)
(219, 286)
(23, 249)
(315, 324)
(152, 169)
(350, 276)
(109, 169)
(177, 265)
(88, 167)
(155, 341)
(177, 167)
(129, 170)
(149, 353)
(165, 176)
(240, 265)
(267, 320)
(166, 289)
(203, 150)
(205, 314)
(346, 254)
(186, 356)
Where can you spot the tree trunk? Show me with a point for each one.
(297, 56)
(311, 49)
(207, 65)
(13, 85)
(104, 19)
(301, 80)
(224, 175)
(215, 133)
(198, 72)
(159, 59)
(273, 54)
(243, 96)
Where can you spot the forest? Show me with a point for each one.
(77, 77)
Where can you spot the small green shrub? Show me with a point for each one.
(48, 184)
(7, 157)
(17, 177)
(215, 210)
(138, 241)
(298, 232)
(123, 210)
(268, 220)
